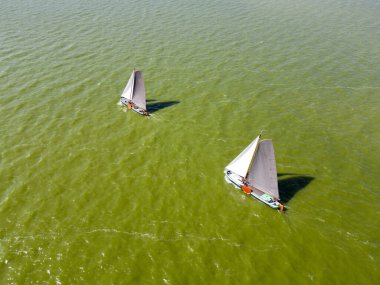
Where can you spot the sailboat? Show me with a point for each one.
(254, 171)
(134, 94)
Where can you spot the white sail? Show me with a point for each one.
(138, 96)
(241, 163)
(128, 90)
(262, 174)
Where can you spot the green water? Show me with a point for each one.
(90, 194)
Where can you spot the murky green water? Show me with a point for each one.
(90, 194)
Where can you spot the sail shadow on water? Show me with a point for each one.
(154, 105)
(290, 184)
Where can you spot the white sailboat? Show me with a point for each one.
(254, 171)
(134, 94)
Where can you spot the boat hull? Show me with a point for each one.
(140, 111)
(271, 203)
(262, 197)
(234, 179)
(124, 102)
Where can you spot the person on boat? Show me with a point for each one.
(245, 182)
(130, 105)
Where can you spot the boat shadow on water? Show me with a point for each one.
(155, 105)
(289, 184)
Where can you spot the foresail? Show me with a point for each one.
(139, 91)
(262, 174)
(242, 162)
(128, 90)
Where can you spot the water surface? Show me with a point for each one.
(92, 194)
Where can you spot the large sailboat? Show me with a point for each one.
(134, 94)
(254, 171)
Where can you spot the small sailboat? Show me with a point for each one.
(134, 94)
(254, 171)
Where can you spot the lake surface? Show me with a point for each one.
(91, 194)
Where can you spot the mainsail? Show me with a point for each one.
(139, 91)
(262, 174)
(242, 162)
(128, 91)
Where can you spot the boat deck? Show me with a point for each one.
(256, 192)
